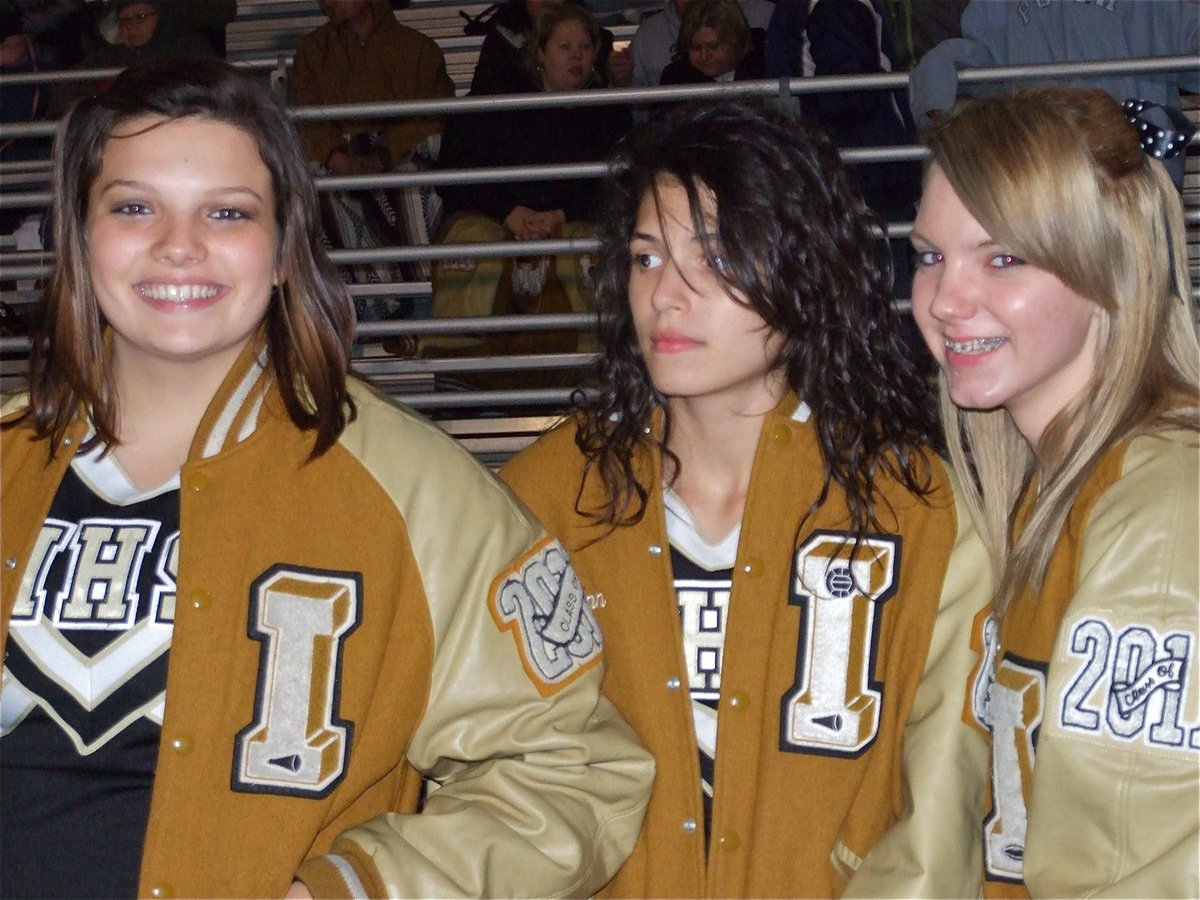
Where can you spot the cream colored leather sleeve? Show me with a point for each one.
(934, 849)
(539, 786)
(1115, 807)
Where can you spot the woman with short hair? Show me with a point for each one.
(715, 43)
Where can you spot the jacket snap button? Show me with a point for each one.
(10, 563)
(689, 825)
(672, 684)
(730, 841)
(655, 550)
(182, 745)
(201, 599)
(738, 700)
(162, 890)
(753, 566)
(781, 434)
(199, 482)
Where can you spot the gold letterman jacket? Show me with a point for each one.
(418, 599)
(840, 731)
(1094, 704)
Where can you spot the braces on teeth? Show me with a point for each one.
(976, 346)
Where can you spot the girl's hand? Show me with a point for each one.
(518, 222)
(543, 224)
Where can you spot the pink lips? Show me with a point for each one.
(672, 342)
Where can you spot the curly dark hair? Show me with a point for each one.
(797, 245)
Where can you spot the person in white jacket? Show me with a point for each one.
(1005, 33)
(1052, 288)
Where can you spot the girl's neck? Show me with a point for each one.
(715, 446)
(159, 408)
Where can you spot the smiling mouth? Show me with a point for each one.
(978, 345)
(178, 293)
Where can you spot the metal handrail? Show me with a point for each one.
(781, 87)
(490, 175)
(21, 264)
(34, 265)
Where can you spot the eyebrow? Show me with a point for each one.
(644, 236)
(915, 235)
(656, 239)
(145, 186)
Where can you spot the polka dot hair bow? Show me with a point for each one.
(1159, 142)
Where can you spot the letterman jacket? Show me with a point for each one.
(1095, 701)
(413, 597)
(835, 739)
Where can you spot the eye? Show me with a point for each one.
(647, 261)
(131, 208)
(229, 214)
(1005, 261)
(717, 263)
(926, 258)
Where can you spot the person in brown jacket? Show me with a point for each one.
(363, 55)
(784, 579)
(264, 631)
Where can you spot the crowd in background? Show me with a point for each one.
(363, 54)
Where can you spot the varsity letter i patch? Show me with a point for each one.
(833, 707)
(297, 745)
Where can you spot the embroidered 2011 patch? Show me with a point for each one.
(541, 601)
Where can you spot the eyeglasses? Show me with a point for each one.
(136, 18)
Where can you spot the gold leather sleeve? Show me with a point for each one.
(1115, 807)
(538, 785)
(934, 849)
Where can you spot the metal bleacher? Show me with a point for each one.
(271, 28)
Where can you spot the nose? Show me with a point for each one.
(953, 296)
(179, 242)
(671, 291)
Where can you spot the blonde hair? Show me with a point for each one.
(1058, 175)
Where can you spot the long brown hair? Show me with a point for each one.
(309, 322)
